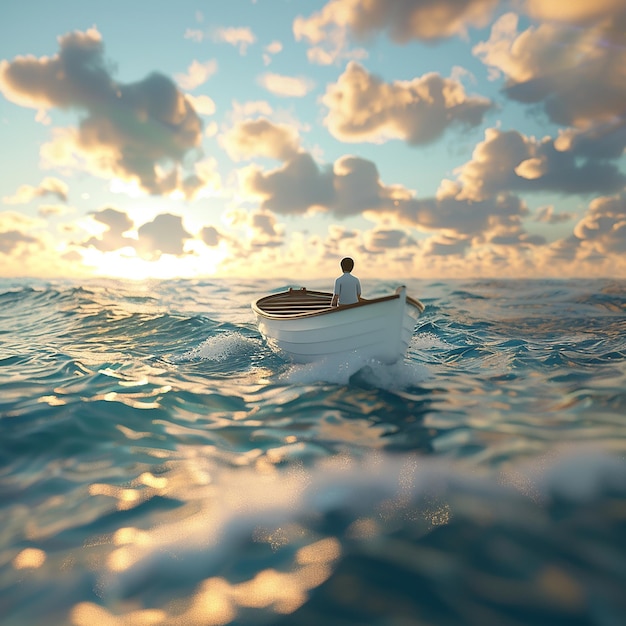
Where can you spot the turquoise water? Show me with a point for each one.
(160, 465)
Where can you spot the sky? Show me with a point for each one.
(270, 138)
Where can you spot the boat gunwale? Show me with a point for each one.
(256, 306)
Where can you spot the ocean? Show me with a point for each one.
(160, 465)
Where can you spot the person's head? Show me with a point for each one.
(347, 264)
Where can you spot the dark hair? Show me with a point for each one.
(347, 264)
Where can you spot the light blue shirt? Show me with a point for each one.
(348, 288)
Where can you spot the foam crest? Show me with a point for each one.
(220, 348)
(428, 341)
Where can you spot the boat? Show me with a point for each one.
(302, 325)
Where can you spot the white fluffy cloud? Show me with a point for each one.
(240, 37)
(362, 107)
(49, 186)
(327, 29)
(271, 50)
(604, 224)
(197, 74)
(260, 137)
(129, 130)
(286, 86)
(576, 74)
(576, 11)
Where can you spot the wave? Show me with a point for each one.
(226, 345)
(393, 537)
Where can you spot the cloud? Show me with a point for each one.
(15, 239)
(383, 239)
(12, 220)
(600, 141)
(604, 224)
(202, 104)
(270, 50)
(443, 245)
(261, 137)
(241, 111)
(286, 86)
(597, 245)
(238, 37)
(49, 186)
(296, 187)
(136, 132)
(10, 240)
(352, 186)
(459, 216)
(165, 234)
(265, 229)
(476, 217)
(508, 160)
(428, 20)
(347, 188)
(117, 223)
(362, 107)
(547, 215)
(197, 74)
(575, 74)
(205, 181)
(261, 227)
(195, 34)
(211, 236)
(338, 233)
(576, 11)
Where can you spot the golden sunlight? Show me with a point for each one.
(125, 263)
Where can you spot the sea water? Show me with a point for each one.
(160, 465)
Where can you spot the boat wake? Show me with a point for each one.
(357, 370)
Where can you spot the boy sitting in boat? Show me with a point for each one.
(347, 287)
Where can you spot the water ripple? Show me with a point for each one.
(159, 464)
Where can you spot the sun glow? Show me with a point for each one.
(126, 263)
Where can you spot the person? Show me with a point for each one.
(347, 287)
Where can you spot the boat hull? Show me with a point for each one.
(380, 329)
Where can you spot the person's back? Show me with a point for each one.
(347, 287)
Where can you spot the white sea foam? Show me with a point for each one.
(340, 371)
(220, 347)
(425, 341)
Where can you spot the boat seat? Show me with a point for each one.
(296, 305)
(292, 310)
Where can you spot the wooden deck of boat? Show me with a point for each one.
(295, 301)
(303, 302)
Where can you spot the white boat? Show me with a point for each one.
(302, 325)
